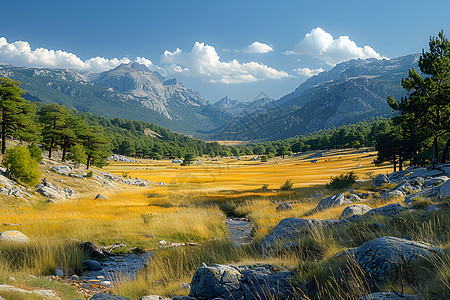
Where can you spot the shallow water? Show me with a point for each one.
(116, 267)
(239, 231)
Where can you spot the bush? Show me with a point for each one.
(77, 154)
(287, 185)
(421, 203)
(264, 158)
(35, 152)
(21, 166)
(342, 181)
(89, 174)
(265, 187)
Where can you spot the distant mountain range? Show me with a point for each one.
(350, 92)
(130, 91)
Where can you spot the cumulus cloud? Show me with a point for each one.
(258, 47)
(321, 45)
(307, 72)
(204, 62)
(19, 53)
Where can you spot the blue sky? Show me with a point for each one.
(225, 48)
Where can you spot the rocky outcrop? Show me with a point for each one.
(332, 201)
(381, 256)
(52, 191)
(10, 187)
(356, 209)
(380, 180)
(444, 191)
(243, 283)
(389, 210)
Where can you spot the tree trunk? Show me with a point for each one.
(395, 164)
(66, 142)
(435, 152)
(400, 163)
(445, 151)
(3, 131)
(88, 162)
(52, 141)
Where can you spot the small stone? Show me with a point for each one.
(75, 278)
(284, 207)
(59, 272)
(100, 196)
(11, 279)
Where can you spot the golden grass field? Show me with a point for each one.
(190, 208)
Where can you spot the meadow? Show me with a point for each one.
(190, 207)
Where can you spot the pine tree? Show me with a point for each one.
(16, 113)
(427, 104)
(54, 119)
(97, 147)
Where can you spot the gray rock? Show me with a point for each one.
(444, 191)
(214, 281)
(13, 236)
(389, 210)
(284, 207)
(395, 194)
(50, 200)
(59, 272)
(435, 181)
(100, 196)
(262, 282)
(75, 277)
(434, 207)
(426, 193)
(61, 169)
(288, 229)
(354, 198)
(355, 209)
(332, 201)
(406, 188)
(380, 179)
(151, 297)
(91, 265)
(183, 298)
(389, 296)
(106, 296)
(381, 256)
(419, 181)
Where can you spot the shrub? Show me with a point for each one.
(265, 187)
(342, 181)
(125, 175)
(421, 203)
(77, 154)
(21, 166)
(264, 158)
(287, 185)
(35, 152)
(89, 174)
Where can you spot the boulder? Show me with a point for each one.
(100, 196)
(214, 281)
(434, 207)
(284, 207)
(435, 181)
(332, 201)
(59, 272)
(288, 229)
(61, 169)
(418, 181)
(106, 296)
(407, 188)
(90, 265)
(380, 179)
(395, 194)
(389, 210)
(426, 193)
(355, 209)
(389, 296)
(381, 256)
(354, 198)
(13, 236)
(444, 190)
(263, 282)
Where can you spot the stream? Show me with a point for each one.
(128, 265)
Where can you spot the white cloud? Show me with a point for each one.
(321, 45)
(19, 53)
(307, 72)
(258, 47)
(204, 62)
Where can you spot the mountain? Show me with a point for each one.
(352, 91)
(129, 91)
(238, 108)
